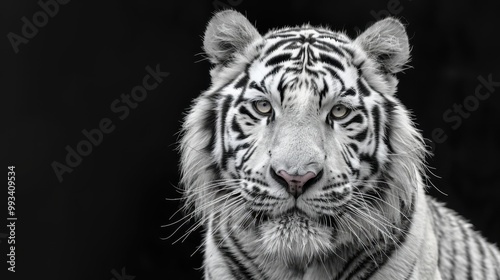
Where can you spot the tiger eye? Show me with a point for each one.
(263, 107)
(340, 111)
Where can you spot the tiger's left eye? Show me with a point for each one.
(263, 107)
(340, 111)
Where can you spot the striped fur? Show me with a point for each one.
(365, 215)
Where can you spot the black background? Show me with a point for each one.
(107, 214)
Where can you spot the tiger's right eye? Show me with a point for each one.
(263, 107)
(340, 111)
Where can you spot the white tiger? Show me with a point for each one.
(301, 163)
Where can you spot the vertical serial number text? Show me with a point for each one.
(11, 217)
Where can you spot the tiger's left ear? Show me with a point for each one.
(386, 42)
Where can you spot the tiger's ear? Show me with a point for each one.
(227, 34)
(386, 42)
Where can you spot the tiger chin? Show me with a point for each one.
(300, 162)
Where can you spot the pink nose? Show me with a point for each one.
(296, 182)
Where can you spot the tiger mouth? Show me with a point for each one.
(296, 215)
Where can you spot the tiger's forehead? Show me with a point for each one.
(292, 38)
(306, 61)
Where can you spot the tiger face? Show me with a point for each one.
(298, 141)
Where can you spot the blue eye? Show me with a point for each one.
(263, 107)
(340, 111)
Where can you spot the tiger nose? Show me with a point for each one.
(296, 184)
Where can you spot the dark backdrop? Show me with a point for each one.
(103, 221)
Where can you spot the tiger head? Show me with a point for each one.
(300, 140)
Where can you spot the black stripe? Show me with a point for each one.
(389, 108)
(241, 82)
(235, 126)
(312, 72)
(360, 137)
(243, 110)
(335, 75)
(322, 94)
(329, 121)
(273, 71)
(256, 86)
(453, 254)
(347, 50)
(348, 151)
(281, 89)
(241, 147)
(292, 46)
(248, 260)
(225, 107)
(279, 59)
(350, 262)
(494, 259)
(348, 92)
(362, 88)
(467, 249)
(251, 149)
(376, 123)
(331, 47)
(279, 44)
(226, 254)
(270, 118)
(481, 257)
(354, 147)
(346, 160)
(209, 123)
(250, 152)
(356, 119)
(304, 52)
(242, 269)
(371, 160)
(331, 61)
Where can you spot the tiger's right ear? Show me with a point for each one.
(386, 42)
(227, 34)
